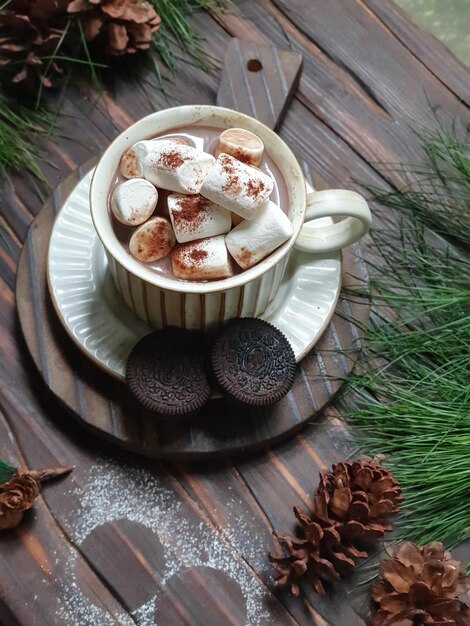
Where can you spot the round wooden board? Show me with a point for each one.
(102, 403)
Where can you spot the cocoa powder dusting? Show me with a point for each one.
(227, 163)
(198, 255)
(190, 211)
(242, 156)
(191, 261)
(129, 165)
(232, 185)
(156, 244)
(159, 244)
(188, 260)
(255, 188)
(172, 159)
(245, 258)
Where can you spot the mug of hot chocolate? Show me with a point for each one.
(198, 209)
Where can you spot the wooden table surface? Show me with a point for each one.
(125, 540)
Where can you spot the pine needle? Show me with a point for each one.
(413, 395)
(176, 29)
(19, 126)
(439, 191)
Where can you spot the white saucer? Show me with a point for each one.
(96, 318)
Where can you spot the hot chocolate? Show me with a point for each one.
(211, 197)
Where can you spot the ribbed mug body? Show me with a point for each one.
(162, 307)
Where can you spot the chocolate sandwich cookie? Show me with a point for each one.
(166, 372)
(253, 362)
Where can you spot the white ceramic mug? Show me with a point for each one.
(162, 300)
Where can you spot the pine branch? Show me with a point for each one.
(19, 126)
(413, 402)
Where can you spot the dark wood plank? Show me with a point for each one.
(39, 562)
(369, 51)
(365, 93)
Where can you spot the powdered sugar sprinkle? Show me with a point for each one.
(114, 492)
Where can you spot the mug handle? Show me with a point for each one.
(334, 236)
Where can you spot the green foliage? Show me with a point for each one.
(439, 192)
(414, 399)
(176, 28)
(6, 471)
(19, 125)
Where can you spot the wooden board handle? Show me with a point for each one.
(259, 80)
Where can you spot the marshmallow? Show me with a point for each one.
(236, 186)
(242, 145)
(195, 217)
(188, 140)
(180, 139)
(129, 164)
(251, 241)
(152, 241)
(134, 201)
(205, 259)
(173, 166)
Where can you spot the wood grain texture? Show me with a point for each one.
(104, 404)
(258, 80)
(196, 535)
(357, 78)
(436, 57)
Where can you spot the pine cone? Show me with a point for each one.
(420, 586)
(30, 30)
(315, 557)
(355, 497)
(19, 492)
(350, 505)
(120, 26)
